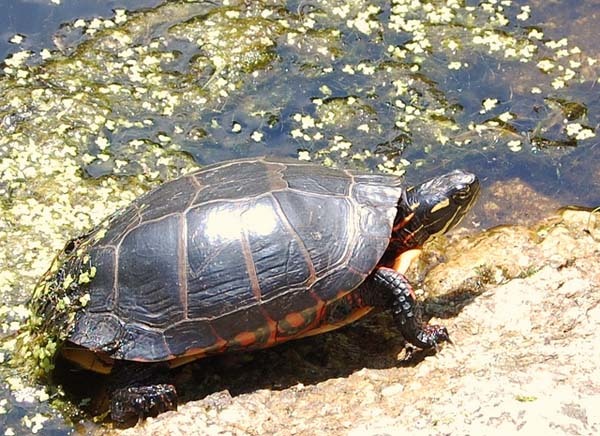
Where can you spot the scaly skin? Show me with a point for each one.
(142, 401)
(405, 309)
(388, 289)
(385, 288)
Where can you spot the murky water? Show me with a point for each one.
(37, 22)
(98, 104)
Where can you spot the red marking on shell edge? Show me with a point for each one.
(245, 339)
(219, 346)
(272, 328)
(341, 294)
(197, 353)
(295, 319)
(272, 331)
(321, 310)
(219, 341)
(323, 328)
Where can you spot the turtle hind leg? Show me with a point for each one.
(138, 402)
(400, 297)
(138, 390)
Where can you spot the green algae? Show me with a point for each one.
(58, 297)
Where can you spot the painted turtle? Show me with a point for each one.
(243, 255)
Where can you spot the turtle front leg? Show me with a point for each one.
(136, 402)
(387, 287)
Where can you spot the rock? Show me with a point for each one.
(392, 390)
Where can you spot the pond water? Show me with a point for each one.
(36, 22)
(99, 103)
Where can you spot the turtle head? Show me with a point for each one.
(434, 207)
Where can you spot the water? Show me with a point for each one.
(39, 20)
(117, 105)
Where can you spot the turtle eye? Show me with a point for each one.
(73, 244)
(462, 193)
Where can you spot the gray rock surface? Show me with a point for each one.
(525, 358)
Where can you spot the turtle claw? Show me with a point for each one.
(431, 336)
(425, 336)
(416, 352)
(138, 402)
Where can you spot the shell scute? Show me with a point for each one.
(190, 334)
(222, 182)
(149, 276)
(99, 331)
(217, 279)
(103, 286)
(321, 181)
(325, 227)
(173, 199)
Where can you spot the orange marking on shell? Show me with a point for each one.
(197, 353)
(321, 312)
(219, 346)
(245, 339)
(295, 319)
(357, 314)
(341, 294)
(271, 330)
(182, 360)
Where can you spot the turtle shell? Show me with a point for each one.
(242, 254)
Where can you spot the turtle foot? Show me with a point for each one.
(138, 402)
(407, 313)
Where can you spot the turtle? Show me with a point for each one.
(242, 255)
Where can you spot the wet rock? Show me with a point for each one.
(515, 201)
